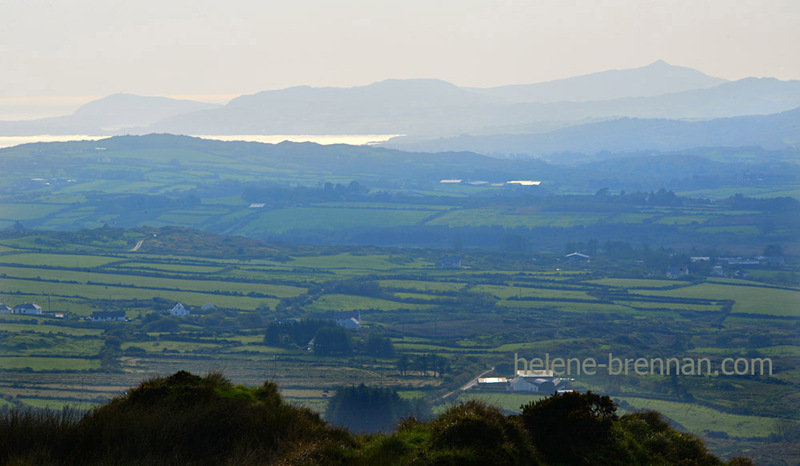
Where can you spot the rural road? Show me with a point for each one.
(138, 245)
(469, 384)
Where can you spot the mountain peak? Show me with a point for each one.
(657, 78)
(658, 64)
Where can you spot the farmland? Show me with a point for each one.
(462, 276)
(477, 317)
(368, 196)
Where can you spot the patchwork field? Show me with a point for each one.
(476, 318)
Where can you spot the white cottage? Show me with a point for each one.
(179, 310)
(28, 308)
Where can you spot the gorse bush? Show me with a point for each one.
(557, 421)
(181, 419)
(187, 419)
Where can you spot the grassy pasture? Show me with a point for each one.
(749, 299)
(631, 217)
(48, 363)
(298, 218)
(342, 302)
(672, 306)
(46, 329)
(743, 230)
(21, 212)
(103, 292)
(682, 219)
(180, 346)
(493, 216)
(427, 297)
(698, 419)
(181, 268)
(38, 344)
(153, 284)
(634, 283)
(378, 262)
(58, 260)
(422, 286)
(41, 403)
(505, 292)
(384, 205)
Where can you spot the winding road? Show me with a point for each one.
(469, 384)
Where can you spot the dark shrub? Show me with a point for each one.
(568, 426)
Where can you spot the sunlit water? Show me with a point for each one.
(353, 139)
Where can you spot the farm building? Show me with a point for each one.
(179, 310)
(4, 309)
(449, 262)
(28, 308)
(577, 257)
(492, 383)
(534, 381)
(349, 320)
(108, 316)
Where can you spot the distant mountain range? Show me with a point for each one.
(651, 80)
(110, 115)
(612, 110)
(771, 132)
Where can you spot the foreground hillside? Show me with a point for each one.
(187, 419)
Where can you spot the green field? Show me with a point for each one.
(47, 363)
(58, 260)
(701, 420)
(749, 299)
(284, 220)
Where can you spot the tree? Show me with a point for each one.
(332, 341)
(403, 364)
(441, 365)
(370, 409)
(378, 345)
(421, 363)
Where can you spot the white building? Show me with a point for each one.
(28, 308)
(349, 320)
(179, 310)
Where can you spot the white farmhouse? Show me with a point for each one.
(179, 310)
(28, 308)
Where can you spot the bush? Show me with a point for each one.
(566, 427)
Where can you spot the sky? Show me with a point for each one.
(57, 54)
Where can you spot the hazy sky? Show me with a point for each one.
(60, 53)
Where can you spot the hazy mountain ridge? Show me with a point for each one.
(654, 79)
(428, 110)
(106, 116)
(409, 107)
(771, 132)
